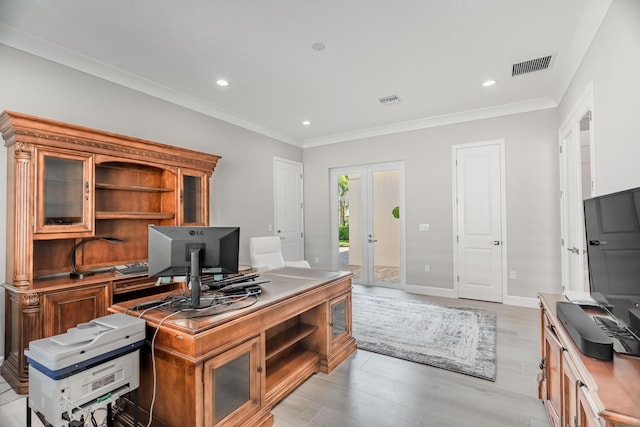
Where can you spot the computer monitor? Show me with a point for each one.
(612, 232)
(192, 251)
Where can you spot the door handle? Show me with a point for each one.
(574, 250)
(497, 242)
(371, 239)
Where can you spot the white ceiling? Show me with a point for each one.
(433, 54)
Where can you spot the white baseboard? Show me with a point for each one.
(431, 291)
(522, 301)
(451, 293)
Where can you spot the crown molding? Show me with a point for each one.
(17, 39)
(435, 121)
(20, 40)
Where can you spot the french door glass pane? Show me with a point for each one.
(386, 227)
(350, 224)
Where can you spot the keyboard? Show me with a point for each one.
(209, 280)
(131, 269)
(624, 342)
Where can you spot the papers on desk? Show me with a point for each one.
(580, 298)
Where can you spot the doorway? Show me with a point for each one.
(577, 183)
(368, 224)
(289, 209)
(479, 220)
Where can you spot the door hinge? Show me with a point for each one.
(561, 149)
(457, 239)
(458, 279)
(590, 115)
(301, 235)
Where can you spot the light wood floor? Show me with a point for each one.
(373, 390)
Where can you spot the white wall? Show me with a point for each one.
(35, 86)
(532, 197)
(612, 63)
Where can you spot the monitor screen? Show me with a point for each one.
(170, 249)
(612, 226)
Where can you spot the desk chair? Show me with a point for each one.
(266, 254)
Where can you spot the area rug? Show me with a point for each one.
(457, 339)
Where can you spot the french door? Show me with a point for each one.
(368, 223)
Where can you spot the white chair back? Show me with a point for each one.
(266, 254)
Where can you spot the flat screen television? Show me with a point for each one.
(193, 251)
(612, 227)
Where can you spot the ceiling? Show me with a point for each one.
(433, 54)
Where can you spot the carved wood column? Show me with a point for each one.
(19, 331)
(22, 247)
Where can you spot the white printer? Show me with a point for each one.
(87, 367)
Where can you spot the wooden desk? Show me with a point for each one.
(578, 390)
(230, 369)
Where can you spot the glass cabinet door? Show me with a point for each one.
(64, 198)
(340, 319)
(193, 198)
(232, 385)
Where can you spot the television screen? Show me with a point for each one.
(612, 226)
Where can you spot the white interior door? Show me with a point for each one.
(289, 209)
(479, 217)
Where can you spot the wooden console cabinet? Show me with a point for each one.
(579, 391)
(70, 187)
(230, 369)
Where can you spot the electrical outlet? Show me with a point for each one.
(512, 274)
(423, 227)
(317, 260)
(427, 267)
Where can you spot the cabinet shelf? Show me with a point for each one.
(289, 372)
(138, 188)
(286, 339)
(134, 215)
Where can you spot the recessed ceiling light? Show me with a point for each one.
(222, 82)
(489, 83)
(306, 123)
(318, 46)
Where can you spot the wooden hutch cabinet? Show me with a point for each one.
(84, 195)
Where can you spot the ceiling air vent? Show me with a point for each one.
(531, 65)
(389, 100)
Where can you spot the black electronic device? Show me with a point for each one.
(193, 251)
(634, 320)
(624, 341)
(589, 337)
(147, 305)
(612, 231)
